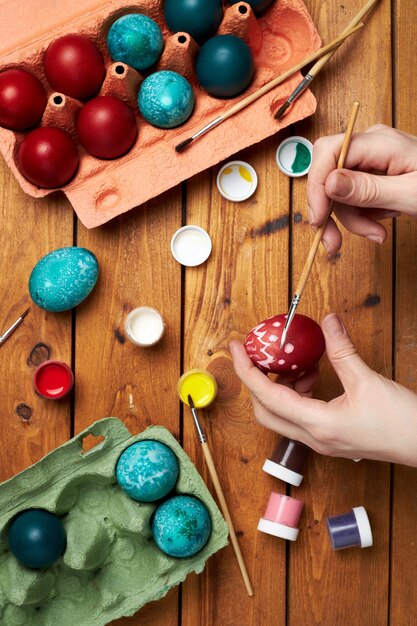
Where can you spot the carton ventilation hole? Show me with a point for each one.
(120, 69)
(58, 99)
(182, 39)
(243, 9)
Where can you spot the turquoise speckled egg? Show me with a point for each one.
(136, 40)
(181, 526)
(166, 99)
(147, 470)
(63, 278)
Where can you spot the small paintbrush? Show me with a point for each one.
(322, 62)
(220, 496)
(319, 233)
(13, 327)
(264, 89)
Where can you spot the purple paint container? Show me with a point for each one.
(351, 530)
(287, 461)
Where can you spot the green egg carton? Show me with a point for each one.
(111, 566)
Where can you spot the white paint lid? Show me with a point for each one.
(294, 156)
(277, 530)
(364, 527)
(191, 245)
(144, 326)
(237, 181)
(283, 473)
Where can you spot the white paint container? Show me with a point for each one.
(191, 245)
(144, 326)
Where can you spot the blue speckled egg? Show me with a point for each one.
(181, 526)
(166, 99)
(136, 40)
(147, 470)
(63, 278)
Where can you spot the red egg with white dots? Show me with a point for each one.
(303, 348)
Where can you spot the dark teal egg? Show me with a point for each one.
(63, 278)
(225, 66)
(136, 40)
(257, 5)
(37, 538)
(181, 526)
(198, 18)
(166, 99)
(147, 470)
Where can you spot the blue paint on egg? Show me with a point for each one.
(147, 470)
(136, 40)
(37, 538)
(63, 278)
(166, 99)
(181, 526)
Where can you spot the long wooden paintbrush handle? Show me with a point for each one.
(358, 17)
(280, 79)
(319, 233)
(225, 511)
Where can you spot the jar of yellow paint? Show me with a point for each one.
(200, 385)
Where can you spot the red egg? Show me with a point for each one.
(303, 348)
(48, 157)
(22, 99)
(106, 127)
(74, 66)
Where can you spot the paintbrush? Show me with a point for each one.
(267, 87)
(319, 233)
(220, 496)
(322, 61)
(13, 327)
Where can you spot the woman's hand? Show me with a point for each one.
(379, 180)
(375, 418)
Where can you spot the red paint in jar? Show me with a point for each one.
(53, 379)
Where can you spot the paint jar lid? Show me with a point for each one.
(364, 526)
(277, 530)
(191, 245)
(53, 379)
(237, 181)
(200, 385)
(144, 326)
(294, 156)
(283, 473)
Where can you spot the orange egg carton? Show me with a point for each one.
(102, 189)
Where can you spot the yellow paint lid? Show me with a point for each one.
(200, 385)
(237, 181)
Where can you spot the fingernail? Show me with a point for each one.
(333, 325)
(340, 185)
(326, 245)
(374, 238)
(311, 216)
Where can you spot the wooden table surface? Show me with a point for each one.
(259, 247)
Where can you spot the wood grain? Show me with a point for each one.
(404, 503)
(326, 587)
(244, 281)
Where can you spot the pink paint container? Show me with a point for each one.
(281, 516)
(53, 380)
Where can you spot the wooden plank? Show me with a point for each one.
(325, 587)
(115, 377)
(244, 281)
(403, 605)
(31, 426)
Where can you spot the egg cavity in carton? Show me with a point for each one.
(111, 566)
(279, 37)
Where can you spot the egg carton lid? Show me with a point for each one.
(63, 482)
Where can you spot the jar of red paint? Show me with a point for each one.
(53, 380)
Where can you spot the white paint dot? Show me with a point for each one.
(276, 324)
(273, 338)
(289, 348)
(294, 367)
(281, 362)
